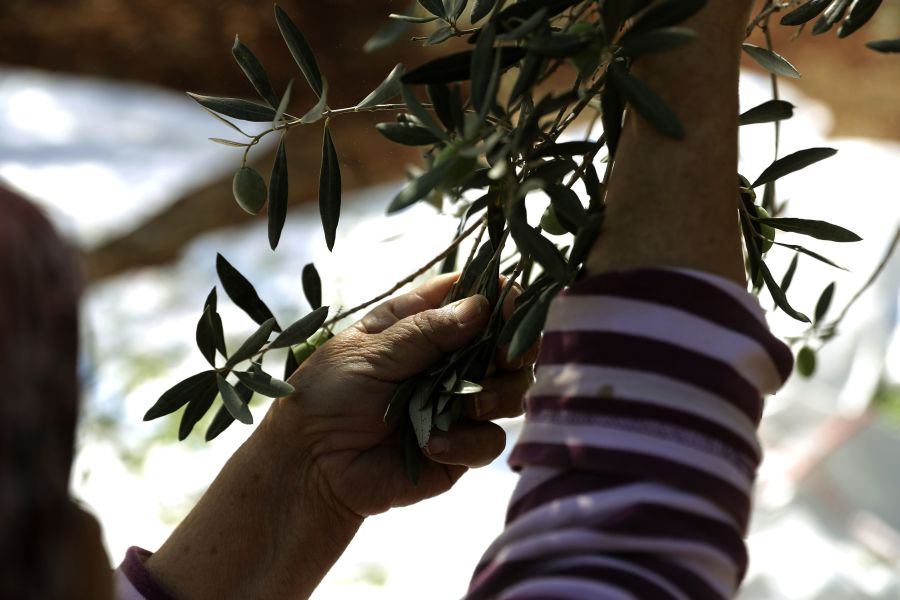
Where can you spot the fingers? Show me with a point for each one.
(468, 444)
(428, 295)
(414, 343)
(501, 397)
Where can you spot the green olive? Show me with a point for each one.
(806, 361)
(766, 230)
(305, 350)
(550, 222)
(249, 190)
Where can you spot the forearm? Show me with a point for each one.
(674, 202)
(260, 531)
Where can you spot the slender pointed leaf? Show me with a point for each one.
(300, 50)
(824, 303)
(805, 12)
(420, 187)
(818, 229)
(235, 108)
(180, 394)
(225, 121)
(206, 336)
(252, 344)
(833, 14)
(482, 67)
(223, 418)
(290, 364)
(792, 163)
(778, 294)
(329, 189)
(407, 134)
(529, 72)
(886, 46)
(231, 143)
(767, 112)
(278, 195)
(481, 9)
(312, 286)
(457, 67)
(264, 384)
(283, 104)
(646, 102)
(771, 61)
(789, 274)
(529, 330)
(390, 33)
(254, 71)
(540, 248)
(860, 14)
(242, 292)
(435, 7)
(302, 329)
(814, 255)
(315, 113)
(420, 412)
(418, 111)
(197, 407)
(656, 40)
(232, 401)
(386, 90)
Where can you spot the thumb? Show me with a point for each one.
(413, 344)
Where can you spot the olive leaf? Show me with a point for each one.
(532, 324)
(771, 61)
(767, 112)
(329, 189)
(810, 253)
(205, 336)
(223, 419)
(568, 207)
(232, 401)
(264, 384)
(792, 163)
(312, 285)
(180, 394)
(540, 248)
(302, 329)
(885, 46)
(419, 187)
(860, 14)
(824, 303)
(482, 67)
(435, 7)
(818, 229)
(235, 108)
(832, 15)
(252, 344)
(242, 292)
(254, 71)
(278, 195)
(805, 12)
(300, 50)
(283, 104)
(423, 116)
(789, 274)
(457, 67)
(481, 9)
(656, 40)
(646, 102)
(420, 412)
(778, 294)
(386, 90)
(315, 113)
(407, 134)
(390, 33)
(197, 407)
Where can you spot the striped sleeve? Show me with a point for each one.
(639, 449)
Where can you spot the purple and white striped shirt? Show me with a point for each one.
(639, 449)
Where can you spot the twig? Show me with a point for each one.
(409, 277)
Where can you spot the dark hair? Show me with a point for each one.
(39, 399)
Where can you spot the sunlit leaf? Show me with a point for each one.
(771, 61)
(767, 112)
(180, 394)
(264, 384)
(386, 90)
(223, 419)
(315, 113)
(818, 229)
(252, 344)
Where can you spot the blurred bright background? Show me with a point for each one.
(96, 129)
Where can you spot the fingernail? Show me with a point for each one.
(468, 309)
(437, 445)
(485, 404)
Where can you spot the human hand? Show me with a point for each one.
(333, 426)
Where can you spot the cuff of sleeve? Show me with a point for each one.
(134, 582)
